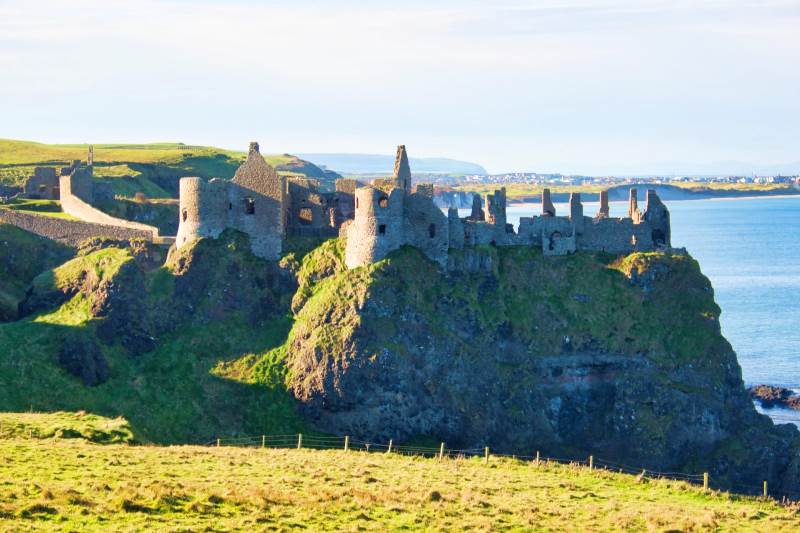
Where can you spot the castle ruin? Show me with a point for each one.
(379, 218)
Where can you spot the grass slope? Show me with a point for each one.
(62, 425)
(74, 486)
(179, 392)
(131, 168)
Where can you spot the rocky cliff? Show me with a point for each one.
(578, 355)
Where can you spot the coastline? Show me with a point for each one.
(512, 202)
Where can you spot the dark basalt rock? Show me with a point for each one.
(80, 356)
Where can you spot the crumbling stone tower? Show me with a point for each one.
(388, 215)
(253, 202)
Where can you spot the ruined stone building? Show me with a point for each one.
(43, 184)
(378, 218)
(389, 215)
(262, 204)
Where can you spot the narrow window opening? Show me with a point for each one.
(382, 229)
(184, 215)
(432, 231)
(230, 206)
(249, 205)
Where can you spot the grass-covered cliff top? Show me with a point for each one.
(73, 486)
(590, 301)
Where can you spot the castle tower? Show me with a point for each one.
(603, 212)
(203, 209)
(402, 172)
(377, 227)
(576, 211)
(548, 209)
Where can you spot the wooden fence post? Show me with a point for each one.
(346, 442)
(537, 457)
(486, 455)
(390, 447)
(441, 451)
(217, 443)
(263, 441)
(591, 462)
(705, 480)
(765, 488)
(299, 440)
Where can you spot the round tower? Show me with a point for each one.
(202, 211)
(377, 227)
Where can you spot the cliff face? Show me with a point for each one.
(586, 354)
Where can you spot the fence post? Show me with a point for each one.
(299, 440)
(441, 451)
(346, 442)
(537, 457)
(263, 441)
(765, 488)
(390, 447)
(486, 455)
(591, 462)
(217, 443)
(705, 480)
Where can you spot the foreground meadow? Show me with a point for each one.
(74, 485)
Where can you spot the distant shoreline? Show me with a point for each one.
(703, 198)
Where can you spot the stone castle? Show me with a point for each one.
(389, 213)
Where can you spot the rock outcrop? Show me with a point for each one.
(571, 356)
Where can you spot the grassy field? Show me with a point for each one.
(50, 208)
(130, 168)
(69, 484)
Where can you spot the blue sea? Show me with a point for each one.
(750, 250)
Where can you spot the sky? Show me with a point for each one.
(574, 86)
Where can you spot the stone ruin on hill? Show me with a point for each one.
(381, 217)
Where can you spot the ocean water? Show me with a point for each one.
(750, 250)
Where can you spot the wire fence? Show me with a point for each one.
(326, 442)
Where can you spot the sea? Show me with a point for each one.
(750, 250)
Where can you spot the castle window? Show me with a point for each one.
(305, 216)
(230, 206)
(432, 231)
(356, 203)
(382, 229)
(249, 205)
(184, 215)
(383, 202)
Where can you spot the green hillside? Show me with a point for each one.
(152, 169)
(72, 485)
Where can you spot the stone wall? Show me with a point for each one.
(71, 232)
(78, 207)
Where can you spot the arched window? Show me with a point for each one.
(383, 202)
(432, 231)
(184, 215)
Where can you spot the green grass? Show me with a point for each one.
(50, 208)
(70, 485)
(65, 425)
(152, 169)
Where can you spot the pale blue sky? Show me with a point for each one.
(588, 86)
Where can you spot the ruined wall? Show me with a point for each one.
(71, 232)
(426, 227)
(43, 184)
(76, 206)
